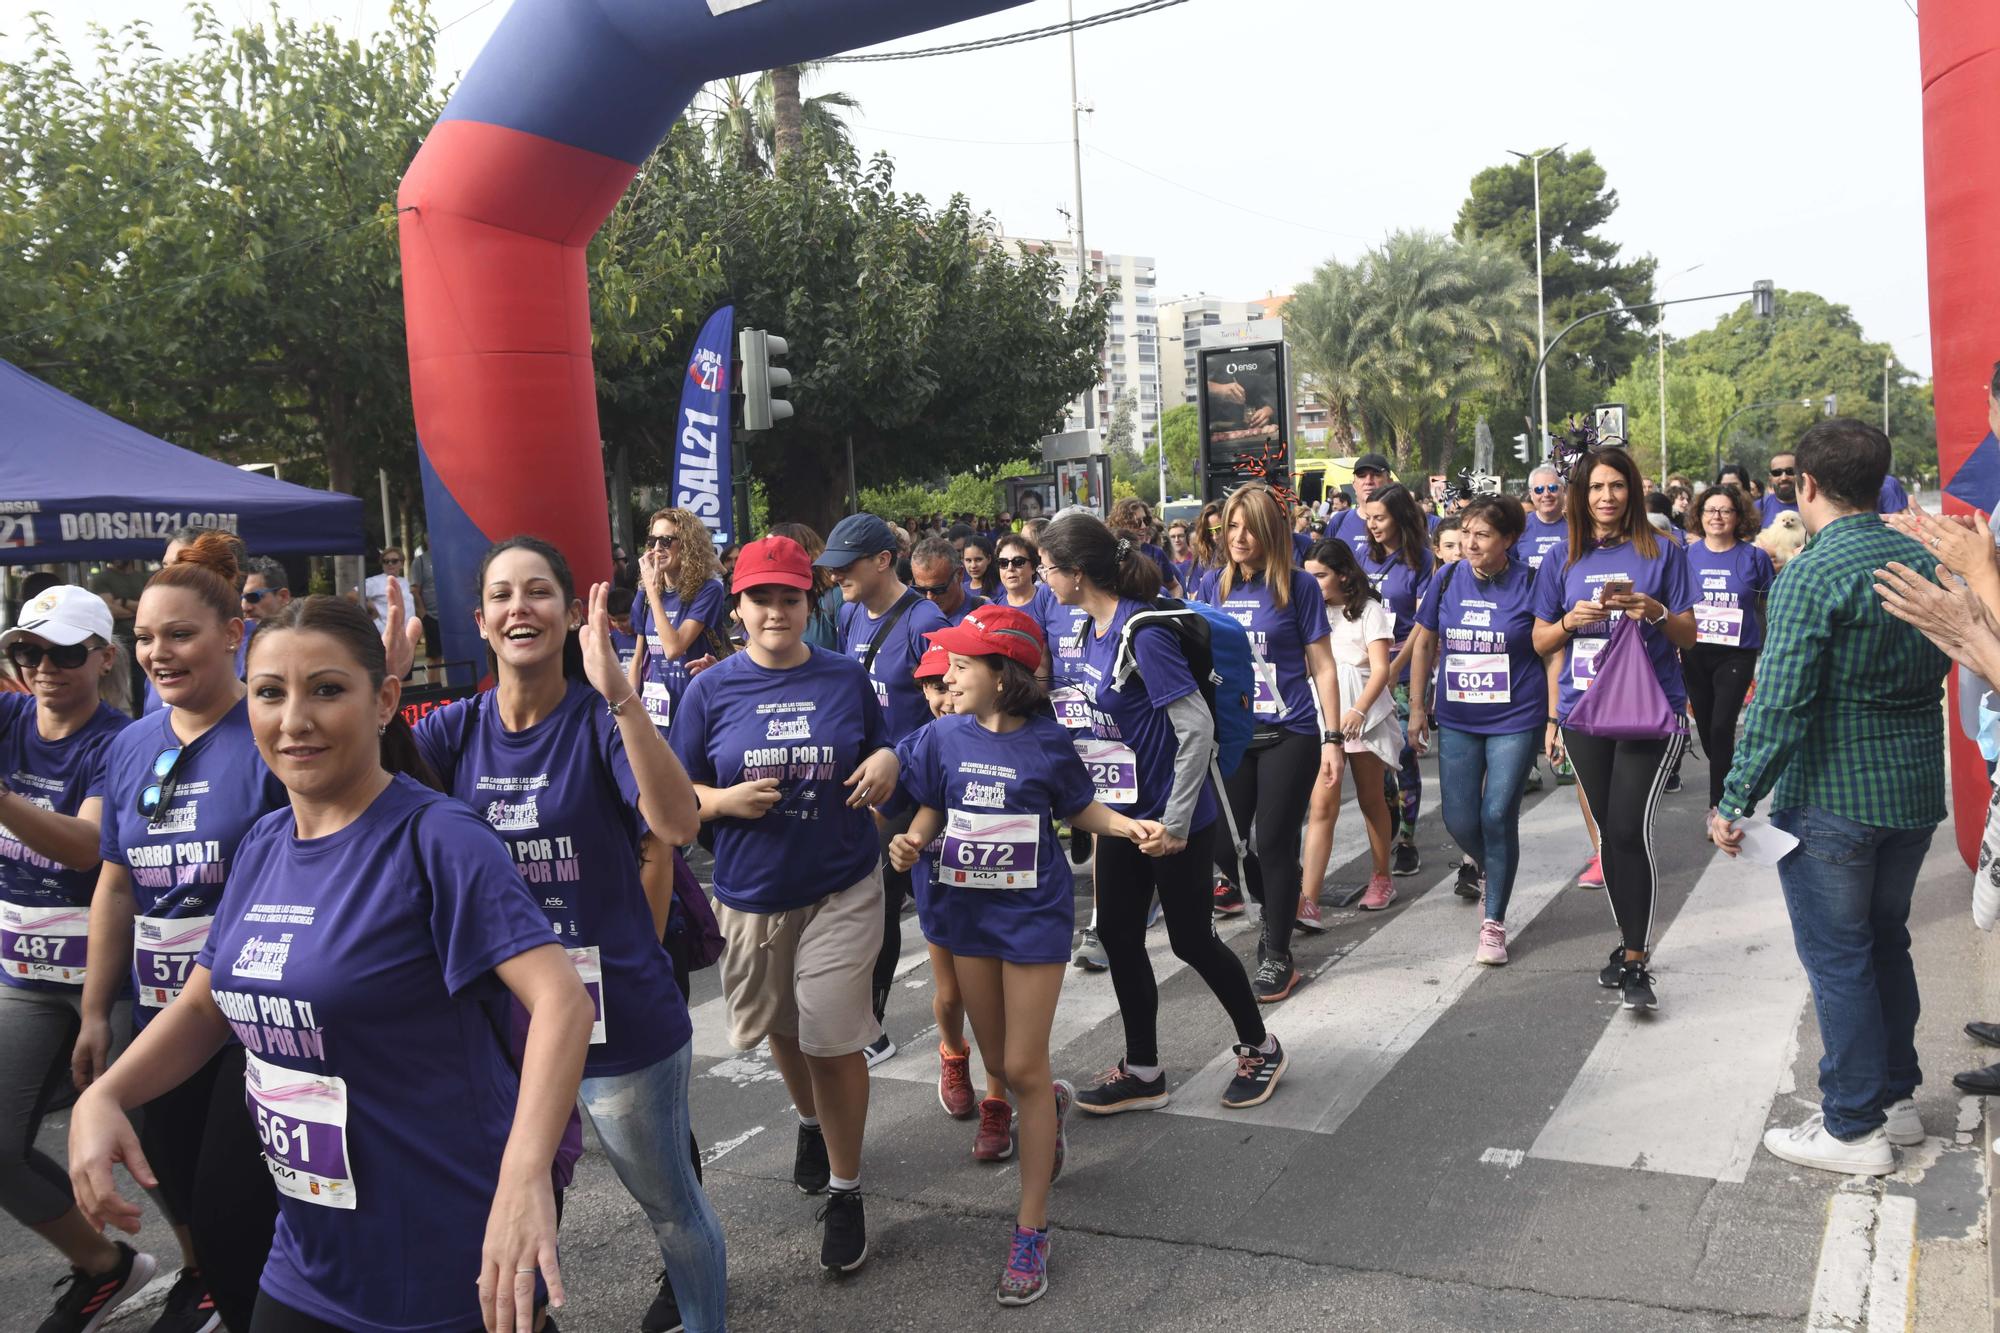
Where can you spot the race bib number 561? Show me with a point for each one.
(302, 1124)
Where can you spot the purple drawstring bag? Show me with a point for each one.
(1625, 701)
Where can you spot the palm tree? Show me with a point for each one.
(757, 123)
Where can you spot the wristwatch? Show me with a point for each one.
(1332, 738)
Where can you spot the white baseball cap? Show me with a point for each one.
(64, 615)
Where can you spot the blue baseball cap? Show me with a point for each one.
(854, 538)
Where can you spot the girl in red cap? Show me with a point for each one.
(993, 776)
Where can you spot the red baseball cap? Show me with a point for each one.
(778, 560)
(993, 629)
(936, 661)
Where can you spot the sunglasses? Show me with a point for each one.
(1013, 561)
(1215, 527)
(28, 656)
(662, 543)
(256, 595)
(1546, 490)
(157, 793)
(930, 590)
(1784, 472)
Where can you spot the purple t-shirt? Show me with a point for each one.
(1727, 585)
(562, 796)
(809, 727)
(1278, 639)
(1129, 752)
(1771, 506)
(1348, 526)
(1539, 539)
(666, 677)
(897, 693)
(1490, 678)
(181, 858)
(967, 604)
(357, 971)
(1399, 586)
(44, 905)
(1664, 578)
(1002, 881)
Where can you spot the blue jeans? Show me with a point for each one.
(1848, 887)
(1483, 778)
(641, 1118)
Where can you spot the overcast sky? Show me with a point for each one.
(1241, 142)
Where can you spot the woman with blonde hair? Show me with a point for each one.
(1282, 608)
(678, 612)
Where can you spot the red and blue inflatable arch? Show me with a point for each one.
(537, 144)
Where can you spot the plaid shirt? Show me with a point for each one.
(1848, 714)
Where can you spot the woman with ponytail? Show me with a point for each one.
(365, 959)
(182, 786)
(572, 775)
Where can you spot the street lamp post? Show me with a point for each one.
(1888, 364)
(1541, 313)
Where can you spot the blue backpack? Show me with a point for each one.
(1217, 649)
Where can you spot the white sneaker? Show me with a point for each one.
(1903, 1128)
(1810, 1145)
(880, 1049)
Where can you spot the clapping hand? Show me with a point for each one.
(600, 659)
(400, 634)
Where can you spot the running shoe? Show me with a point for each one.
(955, 1082)
(86, 1300)
(1612, 975)
(1026, 1275)
(1592, 874)
(1380, 894)
(664, 1314)
(1121, 1090)
(1065, 1098)
(843, 1246)
(810, 1168)
(1276, 978)
(879, 1050)
(994, 1140)
(189, 1307)
(1492, 944)
(1309, 917)
(1470, 885)
(1090, 955)
(1228, 899)
(1257, 1075)
(1637, 986)
(1674, 782)
(1406, 861)
(1811, 1144)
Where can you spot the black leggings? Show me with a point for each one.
(1717, 678)
(1127, 879)
(895, 892)
(1273, 786)
(203, 1146)
(1622, 781)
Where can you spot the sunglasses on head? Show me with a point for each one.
(155, 795)
(1012, 561)
(1547, 490)
(28, 656)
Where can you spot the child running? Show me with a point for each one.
(993, 775)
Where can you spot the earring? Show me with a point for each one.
(381, 731)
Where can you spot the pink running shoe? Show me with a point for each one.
(1492, 944)
(1309, 917)
(1592, 875)
(1381, 892)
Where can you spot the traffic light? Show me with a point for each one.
(1764, 298)
(760, 379)
(1521, 448)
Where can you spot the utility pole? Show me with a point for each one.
(1661, 328)
(1541, 300)
(1888, 364)
(1076, 164)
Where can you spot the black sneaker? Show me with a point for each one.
(1468, 880)
(810, 1169)
(843, 1247)
(1406, 861)
(1121, 1090)
(1257, 1076)
(1276, 978)
(1637, 984)
(1612, 975)
(664, 1314)
(1674, 782)
(878, 1050)
(189, 1307)
(87, 1300)
(1228, 899)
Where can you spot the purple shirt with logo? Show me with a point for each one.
(896, 691)
(357, 971)
(1134, 717)
(1278, 639)
(1001, 885)
(1490, 679)
(563, 799)
(665, 677)
(1727, 586)
(1664, 578)
(182, 857)
(809, 727)
(1538, 540)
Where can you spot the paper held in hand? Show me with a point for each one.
(1764, 842)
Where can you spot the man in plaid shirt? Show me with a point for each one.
(1846, 734)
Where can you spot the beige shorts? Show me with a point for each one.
(806, 973)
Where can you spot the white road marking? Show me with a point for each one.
(1889, 1274)
(1687, 1090)
(728, 1146)
(1840, 1288)
(1504, 1157)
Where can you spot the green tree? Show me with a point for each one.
(205, 245)
(756, 122)
(1180, 426)
(1582, 271)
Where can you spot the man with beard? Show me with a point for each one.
(1783, 496)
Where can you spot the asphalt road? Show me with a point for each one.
(1453, 1147)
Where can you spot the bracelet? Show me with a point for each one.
(615, 709)
(1555, 721)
